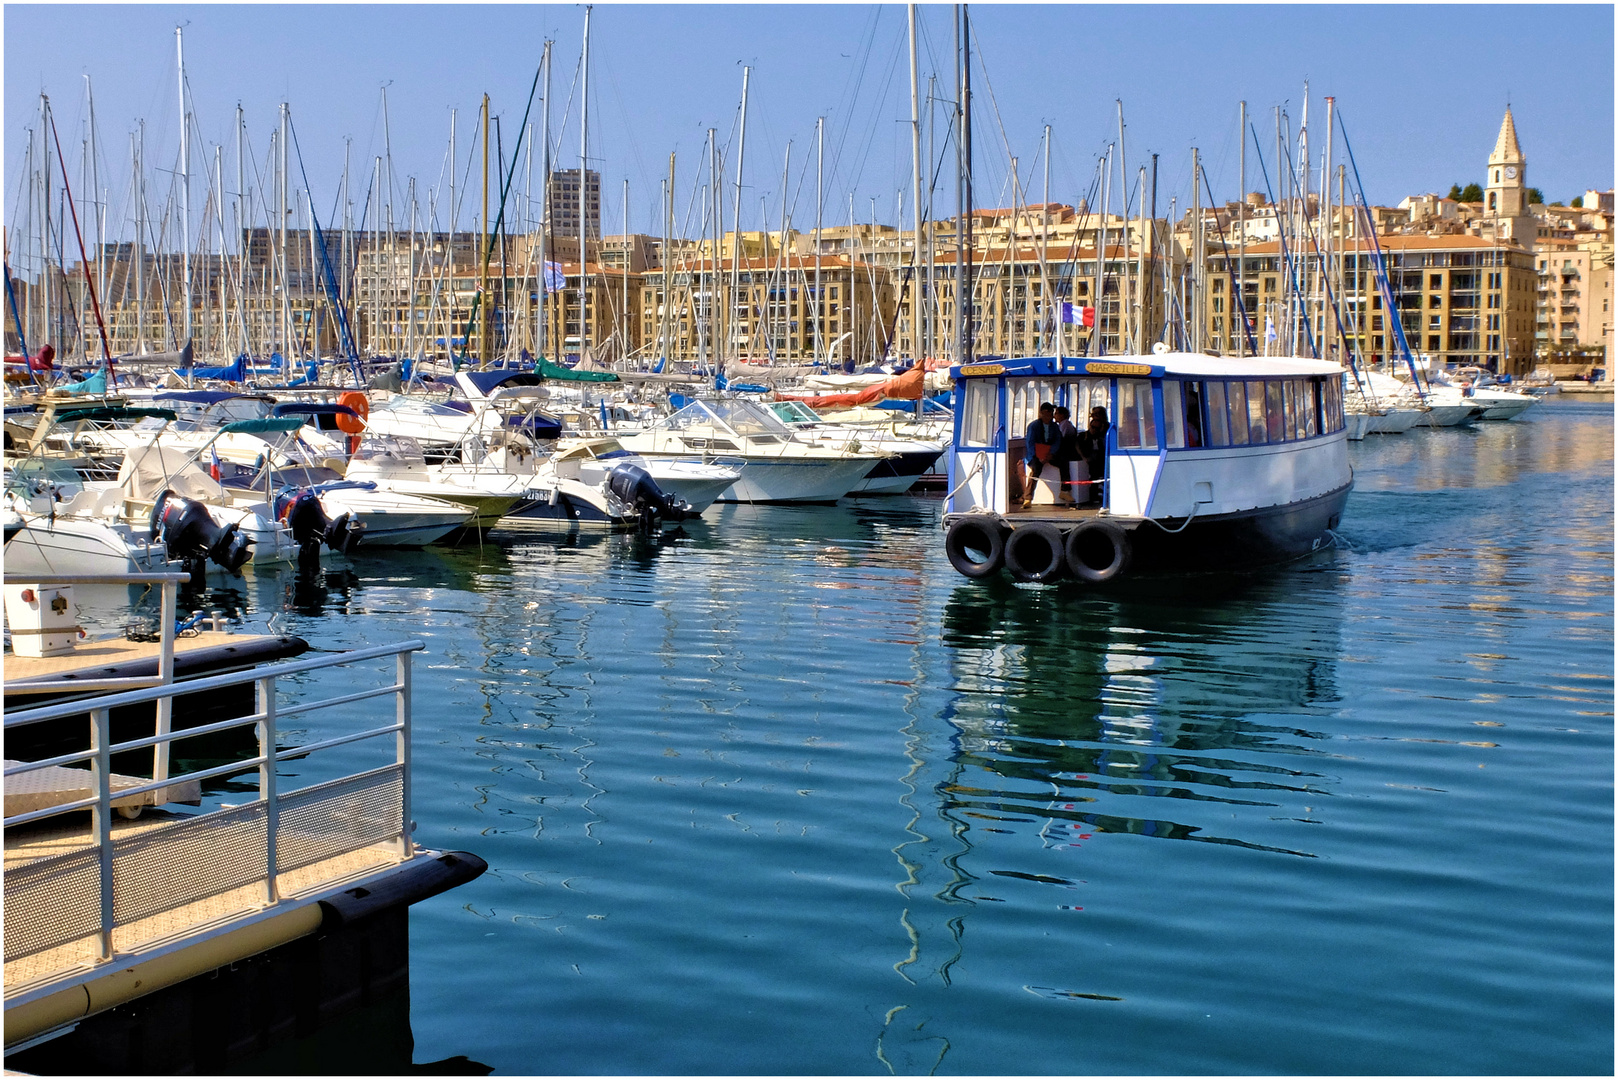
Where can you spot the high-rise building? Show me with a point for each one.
(569, 196)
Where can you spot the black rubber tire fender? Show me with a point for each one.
(981, 533)
(1035, 553)
(1082, 542)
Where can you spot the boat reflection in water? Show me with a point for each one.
(1149, 697)
(1183, 709)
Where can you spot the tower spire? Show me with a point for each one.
(1506, 147)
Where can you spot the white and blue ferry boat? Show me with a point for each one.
(1210, 462)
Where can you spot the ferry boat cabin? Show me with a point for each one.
(1209, 462)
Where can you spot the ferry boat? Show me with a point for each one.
(1210, 462)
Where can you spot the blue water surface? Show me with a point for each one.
(783, 793)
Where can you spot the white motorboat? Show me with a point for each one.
(42, 543)
(904, 460)
(395, 463)
(1501, 404)
(697, 483)
(1478, 387)
(778, 468)
(480, 403)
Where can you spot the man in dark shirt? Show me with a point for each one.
(1093, 445)
(1040, 442)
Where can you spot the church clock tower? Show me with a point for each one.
(1505, 199)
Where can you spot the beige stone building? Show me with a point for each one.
(765, 310)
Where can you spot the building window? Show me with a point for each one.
(1432, 343)
(1435, 281)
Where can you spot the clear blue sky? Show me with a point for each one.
(1420, 89)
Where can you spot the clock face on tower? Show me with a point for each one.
(1511, 172)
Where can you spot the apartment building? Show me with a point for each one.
(1461, 300)
(766, 310)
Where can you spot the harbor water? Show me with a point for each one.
(783, 793)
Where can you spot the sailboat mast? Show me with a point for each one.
(483, 255)
(281, 212)
(1140, 268)
(1045, 237)
(545, 208)
(668, 268)
(45, 216)
(1097, 343)
(220, 268)
(820, 206)
(185, 180)
(623, 311)
(1196, 253)
(139, 150)
(736, 223)
(963, 187)
(98, 197)
(240, 226)
(1326, 213)
(917, 346)
(1241, 238)
(1126, 306)
(584, 144)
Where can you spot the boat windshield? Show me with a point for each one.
(731, 415)
(37, 475)
(794, 412)
(390, 448)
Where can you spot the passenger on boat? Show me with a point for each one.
(1093, 447)
(1193, 414)
(1040, 442)
(1070, 464)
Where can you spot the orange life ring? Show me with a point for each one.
(355, 400)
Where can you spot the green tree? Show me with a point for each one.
(1472, 193)
(1578, 200)
(1536, 196)
(1454, 192)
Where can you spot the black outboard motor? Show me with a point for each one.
(192, 535)
(635, 487)
(301, 512)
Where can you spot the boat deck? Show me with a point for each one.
(110, 652)
(199, 653)
(61, 840)
(1052, 512)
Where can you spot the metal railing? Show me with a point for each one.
(175, 864)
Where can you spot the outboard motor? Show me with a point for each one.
(635, 487)
(301, 512)
(192, 535)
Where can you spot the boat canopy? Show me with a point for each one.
(312, 408)
(267, 426)
(205, 397)
(485, 382)
(112, 412)
(548, 370)
(1155, 366)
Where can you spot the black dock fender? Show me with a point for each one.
(417, 880)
